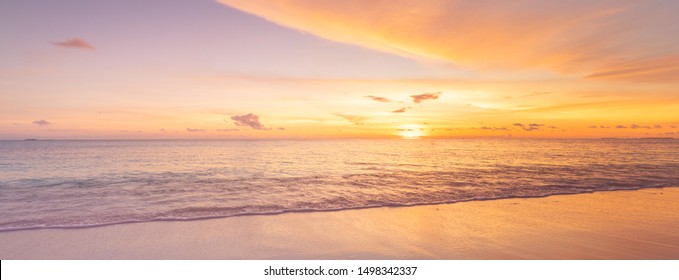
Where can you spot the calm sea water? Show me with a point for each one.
(47, 184)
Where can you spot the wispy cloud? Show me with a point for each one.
(598, 126)
(537, 93)
(402, 110)
(425, 96)
(42, 123)
(493, 128)
(530, 127)
(409, 129)
(195, 130)
(660, 68)
(250, 120)
(75, 43)
(607, 39)
(378, 99)
(358, 120)
(632, 126)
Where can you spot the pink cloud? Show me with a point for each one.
(74, 43)
(250, 120)
(41, 123)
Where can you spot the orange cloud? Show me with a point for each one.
(74, 43)
(378, 99)
(402, 110)
(358, 120)
(425, 96)
(577, 38)
(661, 68)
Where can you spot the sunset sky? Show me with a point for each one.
(171, 69)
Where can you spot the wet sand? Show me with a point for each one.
(641, 224)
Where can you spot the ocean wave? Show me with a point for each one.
(204, 213)
(78, 184)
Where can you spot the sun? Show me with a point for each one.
(411, 131)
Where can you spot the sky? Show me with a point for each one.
(227, 69)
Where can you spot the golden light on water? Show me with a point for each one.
(411, 131)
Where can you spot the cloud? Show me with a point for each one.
(195, 130)
(250, 120)
(661, 68)
(358, 120)
(402, 110)
(598, 126)
(425, 96)
(606, 39)
(636, 126)
(281, 128)
(378, 99)
(530, 127)
(228, 129)
(537, 93)
(74, 43)
(493, 128)
(42, 123)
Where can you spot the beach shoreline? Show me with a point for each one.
(621, 224)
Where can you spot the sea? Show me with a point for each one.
(72, 184)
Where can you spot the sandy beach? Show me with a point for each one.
(640, 224)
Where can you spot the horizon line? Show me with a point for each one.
(341, 138)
